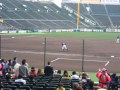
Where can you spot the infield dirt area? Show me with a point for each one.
(99, 53)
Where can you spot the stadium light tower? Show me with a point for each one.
(78, 14)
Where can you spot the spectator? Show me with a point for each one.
(91, 84)
(48, 70)
(79, 88)
(26, 64)
(88, 85)
(114, 81)
(74, 76)
(9, 64)
(33, 71)
(20, 79)
(3, 66)
(8, 77)
(59, 72)
(55, 72)
(22, 69)
(103, 77)
(114, 78)
(76, 86)
(31, 78)
(14, 59)
(13, 75)
(13, 62)
(65, 75)
(9, 70)
(39, 72)
(84, 77)
(16, 67)
(60, 87)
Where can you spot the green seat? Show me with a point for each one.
(6, 89)
(38, 88)
(50, 88)
(10, 86)
(24, 87)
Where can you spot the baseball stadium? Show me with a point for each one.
(34, 31)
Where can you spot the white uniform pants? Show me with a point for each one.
(118, 41)
(64, 47)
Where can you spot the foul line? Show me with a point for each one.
(49, 53)
(106, 62)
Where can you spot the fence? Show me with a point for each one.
(98, 53)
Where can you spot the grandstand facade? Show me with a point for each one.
(46, 15)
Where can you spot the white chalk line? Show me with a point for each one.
(55, 59)
(106, 62)
(49, 53)
(6, 38)
(30, 36)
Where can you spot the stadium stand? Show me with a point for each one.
(34, 15)
(29, 15)
(97, 14)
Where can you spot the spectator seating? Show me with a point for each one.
(34, 15)
(47, 83)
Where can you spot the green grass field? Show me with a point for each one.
(85, 34)
(73, 34)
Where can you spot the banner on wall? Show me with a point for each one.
(110, 1)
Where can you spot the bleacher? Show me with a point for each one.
(40, 82)
(34, 15)
(22, 14)
(103, 15)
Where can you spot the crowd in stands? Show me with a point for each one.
(15, 76)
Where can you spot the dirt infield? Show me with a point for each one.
(98, 52)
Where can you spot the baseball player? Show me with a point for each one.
(118, 39)
(64, 47)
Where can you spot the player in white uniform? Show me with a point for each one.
(64, 47)
(118, 39)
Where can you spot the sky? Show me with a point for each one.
(57, 2)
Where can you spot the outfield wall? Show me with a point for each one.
(60, 30)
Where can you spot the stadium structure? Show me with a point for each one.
(39, 15)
